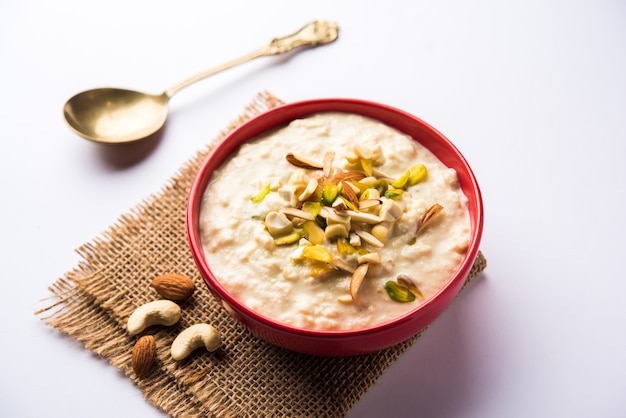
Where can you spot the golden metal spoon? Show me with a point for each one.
(116, 116)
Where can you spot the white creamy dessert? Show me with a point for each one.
(314, 224)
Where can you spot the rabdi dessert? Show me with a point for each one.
(334, 222)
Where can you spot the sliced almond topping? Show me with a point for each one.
(339, 204)
(371, 258)
(367, 218)
(302, 162)
(370, 239)
(342, 265)
(297, 213)
(369, 203)
(347, 175)
(349, 193)
(428, 216)
(357, 279)
(329, 157)
(309, 190)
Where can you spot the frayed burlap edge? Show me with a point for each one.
(247, 377)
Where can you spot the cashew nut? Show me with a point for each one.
(194, 337)
(158, 312)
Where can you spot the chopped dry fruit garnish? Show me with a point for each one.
(346, 176)
(288, 239)
(357, 279)
(418, 174)
(347, 211)
(407, 282)
(312, 207)
(329, 193)
(302, 163)
(344, 247)
(399, 293)
(327, 166)
(261, 195)
(317, 252)
(349, 193)
(394, 194)
(277, 224)
(313, 232)
(427, 217)
(297, 213)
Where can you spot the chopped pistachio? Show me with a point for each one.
(418, 173)
(402, 180)
(394, 194)
(312, 232)
(366, 165)
(288, 239)
(317, 252)
(398, 293)
(344, 247)
(329, 193)
(311, 207)
(261, 195)
(381, 185)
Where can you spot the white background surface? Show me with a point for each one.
(532, 92)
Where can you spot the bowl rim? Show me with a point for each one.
(285, 113)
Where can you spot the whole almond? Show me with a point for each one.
(143, 356)
(174, 286)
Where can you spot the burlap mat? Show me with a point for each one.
(247, 377)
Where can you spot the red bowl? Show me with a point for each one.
(352, 342)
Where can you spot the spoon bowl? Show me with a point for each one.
(116, 116)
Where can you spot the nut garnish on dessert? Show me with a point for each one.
(335, 204)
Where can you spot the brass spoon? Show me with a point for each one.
(117, 116)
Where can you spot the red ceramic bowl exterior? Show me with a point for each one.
(338, 343)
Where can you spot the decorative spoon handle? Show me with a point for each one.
(315, 33)
(318, 32)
